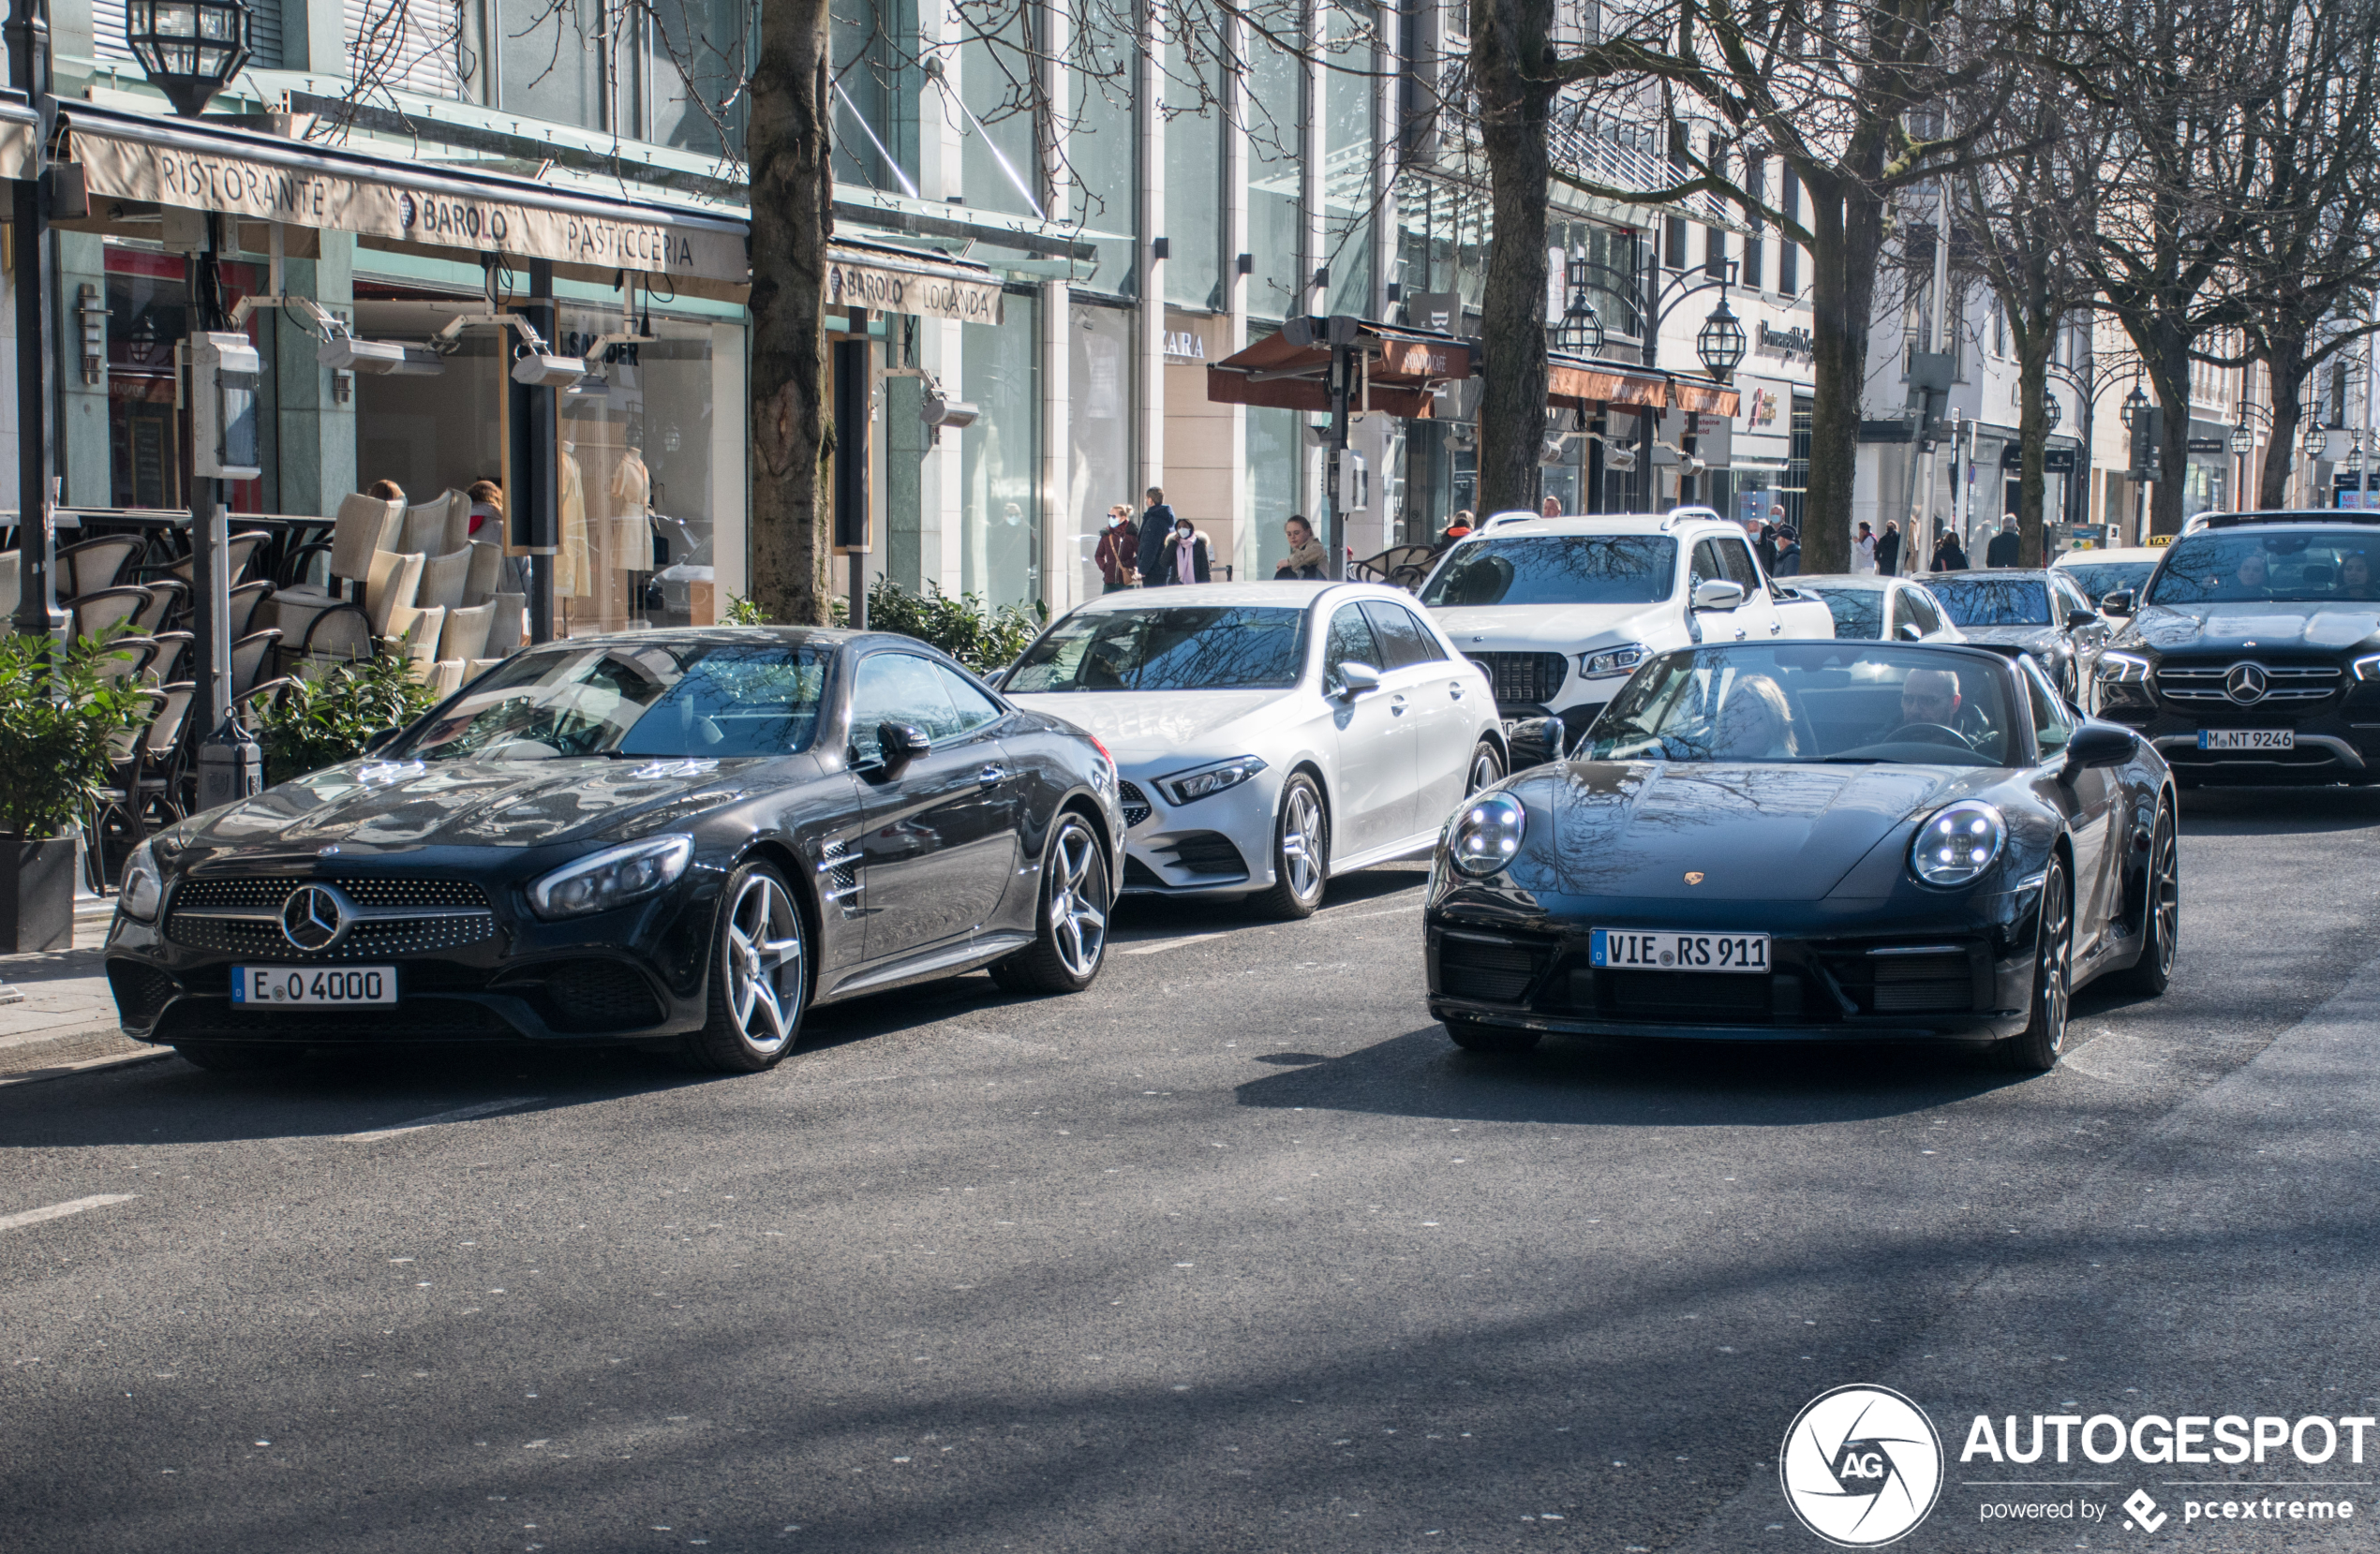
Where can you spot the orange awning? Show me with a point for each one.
(1706, 397)
(1401, 370)
(1577, 383)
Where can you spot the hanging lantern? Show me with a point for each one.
(190, 48)
(2243, 440)
(2136, 404)
(2317, 440)
(1720, 342)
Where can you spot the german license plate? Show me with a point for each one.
(1635, 949)
(310, 987)
(2247, 739)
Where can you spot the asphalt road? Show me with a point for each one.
(1234, 1252)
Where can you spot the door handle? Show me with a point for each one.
(1775, 627)
(1396, 706)
(1455, 688)
(1739, 633)
(991, 776)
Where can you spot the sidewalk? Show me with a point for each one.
(56, 1016)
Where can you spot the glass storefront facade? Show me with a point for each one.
(1099, 430)
(1000, 456)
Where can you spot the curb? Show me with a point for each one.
(114, 1060)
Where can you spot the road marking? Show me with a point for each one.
(59, 1211)
(1170, 943)
(1358, 917)
(460, 1114)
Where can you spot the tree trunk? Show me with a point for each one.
(790, 153)
(2033, 438)
(2285, 359)
(2168, 364)
(1847, 222)
(1510, 42)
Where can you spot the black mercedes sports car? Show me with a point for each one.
(671, 838)
(2041, 612)
(1834, 839)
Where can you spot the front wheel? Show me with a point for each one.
(2161, 914)
(2036, 1051)
(1300, 852)
(1070, 941)
(1486, 769)
(759, 976)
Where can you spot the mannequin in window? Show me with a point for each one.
(574, 574)
(632, 524)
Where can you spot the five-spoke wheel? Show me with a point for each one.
(1300, 852)
(760, 972)
(1070, 939)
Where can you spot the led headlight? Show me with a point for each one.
(1486, 837)
(1609, 663)
(1959, 843)
(1207, 782)
(143, 887)
(611, 877)
(2122, 669)
(2366, 668)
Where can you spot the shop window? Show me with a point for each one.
(1347, 175)
(430, 435)
(550, 59)
(1194, 180)
(1102, 190)
(1275, 476)
(148, 315)
(1099, 424)
(1274, 101)
(697, 56)
(414, 46)
(1000, 536)
(998, 165)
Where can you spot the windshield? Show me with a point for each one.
(2300, 568)
(1557, 568)
(2098, 579)
(1810, 702)
(1989, 600)
(1179, 647)
(689, 697)
(1859, 613)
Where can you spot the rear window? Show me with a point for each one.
(1557, 568)
(1989, 600)
(1858, 613)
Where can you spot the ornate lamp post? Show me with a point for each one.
(1581, 331)
(1720, 341)
(191, 49)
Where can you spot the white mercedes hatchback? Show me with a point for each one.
(1269, 736)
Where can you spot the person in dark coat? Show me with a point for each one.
(1766, 547)
(1186, 556)
(1888, 550)
(1788, 553)
(1949, 554)
(2005, 546)
(1156, 533)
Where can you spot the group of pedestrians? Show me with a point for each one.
(1884, 553)
(1165, 549)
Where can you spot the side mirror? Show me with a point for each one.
(1907, 631)
(2077, 619)
(2097, 744)
(2116, 604)
(994, 678)
(902, 744)
(1356, 679)
(1719, 594)
(381, 740)
(1535, 742)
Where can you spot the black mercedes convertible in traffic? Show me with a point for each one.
(678, 839)
(1795, 840)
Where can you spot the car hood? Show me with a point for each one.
(1553, 628)
(1745, 832)
(2027, 639)
(1140, 726)
(373, 805)
(2218, 627)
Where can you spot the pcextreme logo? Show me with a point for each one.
(1861, 1466)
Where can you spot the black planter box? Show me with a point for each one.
(37, 895)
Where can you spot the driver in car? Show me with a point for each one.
(1928, 696)
(2254, 577)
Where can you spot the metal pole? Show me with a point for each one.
(1341, 368)
(36, 614)
(541, 449)
(230, 765)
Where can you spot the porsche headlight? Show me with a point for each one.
(1610, 663)
(1486, 836)
(2122, 669)
(143, 888)
(1207, 782)
(611, 877)
(1959, 843)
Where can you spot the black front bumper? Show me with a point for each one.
(2337, 739)
(1964, 980)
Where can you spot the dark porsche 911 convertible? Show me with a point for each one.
(1834, 839)
(677, 840)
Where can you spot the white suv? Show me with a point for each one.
(1560, 610)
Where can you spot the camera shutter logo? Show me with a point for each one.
(1862, 1466)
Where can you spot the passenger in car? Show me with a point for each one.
(1756, 723)
(2354, 575)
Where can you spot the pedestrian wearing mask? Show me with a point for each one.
(1307, 561)
(1119, 551)
(1788, 553)
(1864, 549)
(1888, 549)
(1186, 554)
(1156, 533)
(1766, 547)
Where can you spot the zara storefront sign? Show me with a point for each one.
(1185, 344)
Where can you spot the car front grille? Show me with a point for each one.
(382, 891)
(455, 914)
(2288, 685)
(1139, 876)
(1922, 983)
(1530, 677)
(1206, 853)
(1489, 970)
(599, 995)
(141, 990)
(1136, 803)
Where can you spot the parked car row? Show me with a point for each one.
(1837, 806)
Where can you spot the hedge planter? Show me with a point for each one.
(37, 895)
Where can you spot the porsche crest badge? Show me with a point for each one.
(1693, 876)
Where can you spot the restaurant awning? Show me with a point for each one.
(1399, 371)
(1711, 399)
(877, 276)
(20, 133)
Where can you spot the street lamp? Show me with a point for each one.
(1581, 331)
(2136, 406)
(2243, 441)
(2317, 439)
(2050, 412)
(1720, 342)
(191, 49)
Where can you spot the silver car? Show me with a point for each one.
(1869, 607)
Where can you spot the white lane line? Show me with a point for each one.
(459, 1114)
(1171, 944)
(59, 1211)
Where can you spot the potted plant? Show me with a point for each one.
(59, 717)
(319, 723)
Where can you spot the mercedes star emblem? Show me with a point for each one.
(312, 917)
(2246, 684)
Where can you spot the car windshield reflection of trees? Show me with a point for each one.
(2098, 581)
(713, 700)
(1178, 647)
(1817, 703)
(2289, 569)
(1859, 613)
(1993, 600)
(1546, 569)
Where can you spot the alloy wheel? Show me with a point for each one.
(1486, 771)
(763, 965)
(2164, 891)
(1078, 898)
(2057, 958)
(1301, 842)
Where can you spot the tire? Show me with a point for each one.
(1070, 926)
(1471, 1036)
(1300, 852)
(239, 1057)
(759, 976)
(1486, 769)
(2161, 913)
(2036, 1051)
